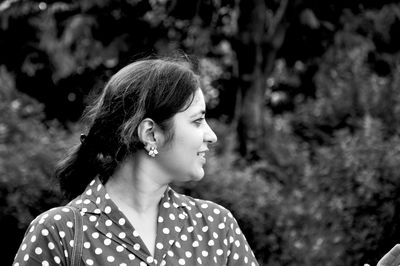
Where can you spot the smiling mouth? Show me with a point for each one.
(202, 154)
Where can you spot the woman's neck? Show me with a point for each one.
(133, 187)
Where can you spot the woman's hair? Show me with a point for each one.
(151, 88)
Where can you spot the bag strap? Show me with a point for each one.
(78, 238)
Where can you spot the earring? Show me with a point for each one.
(153, 151)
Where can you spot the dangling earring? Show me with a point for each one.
(153, 151)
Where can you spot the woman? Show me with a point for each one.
(147, 130)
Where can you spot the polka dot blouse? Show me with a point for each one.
(189, 232)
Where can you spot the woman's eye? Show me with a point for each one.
(199, 121)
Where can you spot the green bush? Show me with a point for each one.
(28, 153)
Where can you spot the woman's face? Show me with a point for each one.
(184, 157)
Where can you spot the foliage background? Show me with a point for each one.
(320, 186)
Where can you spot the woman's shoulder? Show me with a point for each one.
(58, 218)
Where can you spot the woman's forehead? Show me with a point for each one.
(198, 104)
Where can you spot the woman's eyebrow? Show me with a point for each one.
(202, 112)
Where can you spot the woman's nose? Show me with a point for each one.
(209, 135)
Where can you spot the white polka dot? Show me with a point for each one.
(166, 231)
(235, 256)
(172, 216)
(211, 243)
(70, 224)
(86, 244)
(84, 210)
(89, 262)
(32, 228)
(92, 218)
(109, 223)
(62, 234)
(65, 253)
(86, 201)
(220, 252)
(107, 209)
(204, 205)
(238, 231)
(199, 215)
(45, 263)
(51, 245)
(221, 226)
(57, 217)
(131, 256)
(210, 218)
(33, 239)
(159, 245)
(45, 232)
(98, 251)
(120, 248)
(188, 254)
(163, 263)
(98, 200)
(26, 257)
(71, 243)
(109, 235)
(195, 244)
(92, 182)
(181, 216)
(142, 264)
(136, 246)
(215, 235)
(181, 262)
(178, 245)
(253, 264)
(160, 219)
(38, 250)
(204, 253)
(199, 260)
(246, 260)
(123, 264)
(57, 259)
(89, 192)
(110, 258)
(122, 235)
(107, 196)
(184, 237)
(166, 205)
(149, 259)
(121, 221)
(237, 243)
(177, 229)
(99, 187)
(216, 211)
(170, 253)
(205, 229)
(190, 229)
(107, 242)
(23, 247)
(135, 233)
(95, 235)
(41, 221)
(199, 237)
(85, 228)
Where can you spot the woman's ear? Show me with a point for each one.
(150, 134)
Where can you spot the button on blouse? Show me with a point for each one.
(189, 232)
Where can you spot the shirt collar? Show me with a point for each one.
(95, 198)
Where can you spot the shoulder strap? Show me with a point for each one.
(78, 238)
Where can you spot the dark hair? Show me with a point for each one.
(151, 88)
